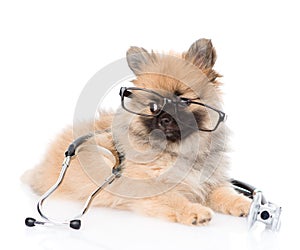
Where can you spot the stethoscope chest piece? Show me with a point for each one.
(267, 213)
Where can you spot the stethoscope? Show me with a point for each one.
(266, 212)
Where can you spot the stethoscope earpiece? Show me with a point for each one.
(75, 224)
(30, 222)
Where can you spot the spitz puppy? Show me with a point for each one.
(171, 134)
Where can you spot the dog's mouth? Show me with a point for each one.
(172, 134)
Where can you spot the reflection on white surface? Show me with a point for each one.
(104, 228)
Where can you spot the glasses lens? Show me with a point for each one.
(143, 102)
(206, 118)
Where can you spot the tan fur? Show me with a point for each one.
(225, 200)
(153, 187)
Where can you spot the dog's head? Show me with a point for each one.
(174, 95)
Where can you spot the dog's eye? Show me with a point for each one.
(153, 107)
(184, 102)
(177, 93)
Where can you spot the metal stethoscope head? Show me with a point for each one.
(261, 210)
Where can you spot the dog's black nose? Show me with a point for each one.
(165, 120)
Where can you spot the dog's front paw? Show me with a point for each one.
(239, 206)
(195, 214)
(226, 200)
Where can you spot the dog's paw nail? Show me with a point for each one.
(195, 221)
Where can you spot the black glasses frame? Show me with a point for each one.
(183, 102)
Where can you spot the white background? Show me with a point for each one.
(50, 49)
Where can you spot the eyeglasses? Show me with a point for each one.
(148, 103)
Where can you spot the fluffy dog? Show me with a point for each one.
(172, 137)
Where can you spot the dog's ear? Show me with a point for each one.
(138, 58)
(202, 54)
